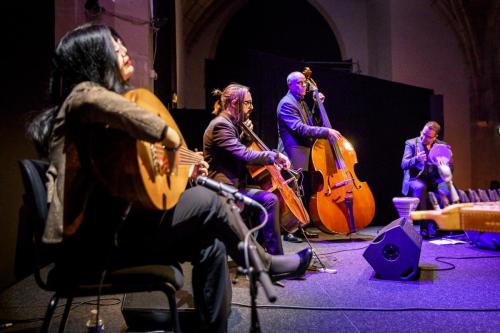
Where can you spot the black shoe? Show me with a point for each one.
(429, 230)
(292, 238)
(305, 260)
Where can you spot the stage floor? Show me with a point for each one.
(463, 295)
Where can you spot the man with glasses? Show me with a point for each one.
(225, 149)
(421, 175)
(297, 133)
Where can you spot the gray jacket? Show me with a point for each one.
(89, 109)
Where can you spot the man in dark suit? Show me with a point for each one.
(225, 150)
(297, 131)
(420, 174)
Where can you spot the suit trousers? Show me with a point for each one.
(270, 235)
(199, 229)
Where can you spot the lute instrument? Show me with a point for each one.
(134, 169)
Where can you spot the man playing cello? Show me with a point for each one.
(228, 157)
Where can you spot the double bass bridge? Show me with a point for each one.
(343, 183)
(338, 185)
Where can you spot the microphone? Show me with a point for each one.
(227, 189)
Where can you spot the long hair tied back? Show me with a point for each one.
(234, 91)
(217, 105)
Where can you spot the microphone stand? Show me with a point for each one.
(255, 270)
(255, 324)
(323, 268)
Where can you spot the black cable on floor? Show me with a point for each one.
(345, 250)
(452, 266)
(327, 308)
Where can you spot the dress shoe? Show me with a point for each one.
(305, 260)
(429, 230)
(292, 238)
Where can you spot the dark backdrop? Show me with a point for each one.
(27, 46)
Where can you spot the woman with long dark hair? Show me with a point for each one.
(91, 71)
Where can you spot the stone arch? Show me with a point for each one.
(197, 14)
(203, 25)
(288, 28)
(333, 26)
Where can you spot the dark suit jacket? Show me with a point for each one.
(227, 156)
(411, 167)
(296, 136)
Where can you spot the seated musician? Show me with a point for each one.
(229, 157)
(92, 69)
(421, 176)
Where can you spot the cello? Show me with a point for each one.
(292, 211)
(340, 203)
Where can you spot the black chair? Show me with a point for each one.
(165, 278)
(463, 196)
(473, 196)
(483, 195)
(494, 196)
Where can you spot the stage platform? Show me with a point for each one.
(457, 290)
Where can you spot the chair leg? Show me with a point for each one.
(170, 293)
(49, 313)
(64, 318)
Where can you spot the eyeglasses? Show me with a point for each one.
(250, 103)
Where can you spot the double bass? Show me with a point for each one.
(340, 203)
(292, 211)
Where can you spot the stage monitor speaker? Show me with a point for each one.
(394, 254)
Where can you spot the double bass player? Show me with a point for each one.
(297, 131)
